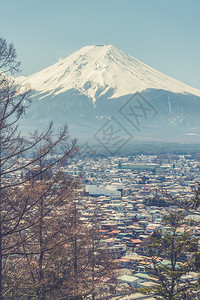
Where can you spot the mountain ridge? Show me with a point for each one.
(94, 70)
(100, 86)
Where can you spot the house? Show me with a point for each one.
(129, 279)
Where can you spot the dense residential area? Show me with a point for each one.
(119, 207)
(99, 150)
(131, 196)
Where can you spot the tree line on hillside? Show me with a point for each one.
(156, 200)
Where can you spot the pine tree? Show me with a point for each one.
(171, 246)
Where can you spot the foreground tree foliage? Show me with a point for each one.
(173, 245)
(64, 258)
(48, 250)
(19, 161)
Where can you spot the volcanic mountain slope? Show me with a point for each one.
(98, 83)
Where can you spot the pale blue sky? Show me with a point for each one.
(164, 34)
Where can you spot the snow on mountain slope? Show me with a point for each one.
(95, 70)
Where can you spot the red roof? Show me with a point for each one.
(124, 259)
(116, 231)
(136, 241)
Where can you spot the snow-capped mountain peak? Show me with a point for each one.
(96, 70)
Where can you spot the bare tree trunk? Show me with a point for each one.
(1, 258)
(41, 256)
(75, 247)
(1, 271)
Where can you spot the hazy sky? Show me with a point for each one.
(164, 34)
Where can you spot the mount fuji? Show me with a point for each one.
(101, 84)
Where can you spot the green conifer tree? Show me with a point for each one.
(172, 246)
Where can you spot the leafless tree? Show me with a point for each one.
(20, 165)
(48, 249)
(89, 263)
